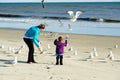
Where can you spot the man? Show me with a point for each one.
(30, 37)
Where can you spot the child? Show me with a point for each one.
(60, 44)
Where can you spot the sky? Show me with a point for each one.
(60, 0)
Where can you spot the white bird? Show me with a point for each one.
(70, 49)
(69, 26)
(13, 62)
(91, 56)
(75, 53)
(111, 56)
(95, 54)
(2, 46)
(74, 16)
(116, 46)
(23, 46)
(18, 51)
(49, 46)
(55, 34)
(9, 48)
(61, 24)
(13, 50)
(94, 49)
(43, 52)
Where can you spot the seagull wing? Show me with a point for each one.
(78, 13)
(71, 13)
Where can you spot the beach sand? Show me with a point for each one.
(76, 67)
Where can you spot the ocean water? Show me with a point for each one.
(55, 16)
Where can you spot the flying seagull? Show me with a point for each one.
(42, 3)
(74, 16)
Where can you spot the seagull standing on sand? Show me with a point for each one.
(91, 56)
(23, 46)
(9, 48)
(2, 46)
(70, 49)
(49, 46)
(14, 62)
(74, 16)
(116, 46)
(111, 56)
(18, 51)
(95, 52)
(75, 53)
(13, 50)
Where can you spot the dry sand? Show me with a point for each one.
(76, 67)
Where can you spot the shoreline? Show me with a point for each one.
(59, 32)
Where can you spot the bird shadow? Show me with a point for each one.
(86, 52)
(3, 60)
(116, 60)
(3, 66)
(84, 59)
(22, 61)
(95, 60)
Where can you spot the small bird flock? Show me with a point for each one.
(92, 55)
(14, 61)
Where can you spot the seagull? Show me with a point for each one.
(75, 53)
(9, 48)
(95, 54)
(42, 3)
(23, 46)
(55, 34)
(13, 62)
(43, 52)
(94, 49)
(49, 46)
(111, 56)
(91, 56)
(61, 24)
(2, 46)
(116, 46)
(74, 16)
(13, 50)
(18, 51)
(70, 49)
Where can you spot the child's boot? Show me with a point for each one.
(57, 60)
(61, 60)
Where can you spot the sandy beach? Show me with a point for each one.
(76, 66)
